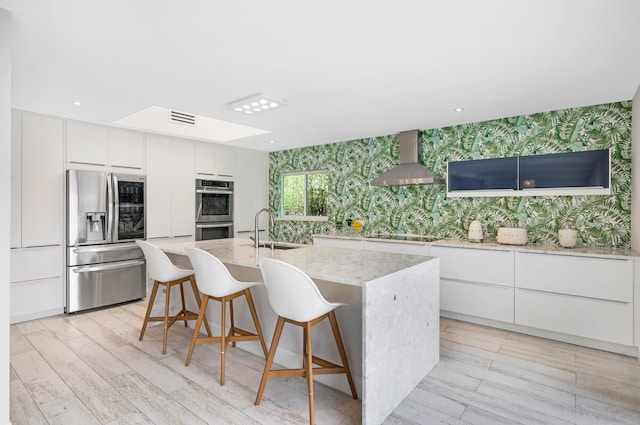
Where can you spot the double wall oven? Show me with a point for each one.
(214, 209)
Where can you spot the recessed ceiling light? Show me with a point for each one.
(272, 141)
(459, 109)
(255, 103)
(77, 103)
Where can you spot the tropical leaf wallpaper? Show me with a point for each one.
(602, 220)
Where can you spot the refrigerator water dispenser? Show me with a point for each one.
(95, 226)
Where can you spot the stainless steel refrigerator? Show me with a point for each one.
(105, 215)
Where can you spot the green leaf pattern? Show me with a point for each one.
(602, 220)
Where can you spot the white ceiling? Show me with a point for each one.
(348, 69)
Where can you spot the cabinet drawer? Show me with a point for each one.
(36, 298)
(587, 317)
(339, 243)
(488, 301)
(36, 263)
(475, 265)
(398, 248)
(583, 276)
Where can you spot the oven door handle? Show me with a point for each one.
(215, 191)
(210, 226)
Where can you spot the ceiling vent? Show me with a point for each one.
(182, 118)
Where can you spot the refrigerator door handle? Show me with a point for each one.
(110, 209)
(115, 205)
(110, 266)
(103, 248)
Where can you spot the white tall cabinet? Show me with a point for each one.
(251, 191)
(37, 216)
(170, 181)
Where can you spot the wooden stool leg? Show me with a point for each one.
(149, 308)
(256, 321)
(201, 316)
(184, 307)
(343, 354)
(196, 294)
(166, 319)
(309, 368)
(223, 340)
(270, 357)
(304, 347)
(233, 323)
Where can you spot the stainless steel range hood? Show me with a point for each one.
(409, 171)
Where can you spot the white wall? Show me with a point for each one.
(5, 183)
(635, 172)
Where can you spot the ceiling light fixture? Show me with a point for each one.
(255, 103)
(77, 103)
(459, 109)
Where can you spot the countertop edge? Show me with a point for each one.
(598, 252)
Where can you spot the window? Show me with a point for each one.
(305, 194)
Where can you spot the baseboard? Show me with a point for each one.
(541, 333)
(35, 315)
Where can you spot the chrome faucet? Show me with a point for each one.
(256, 237)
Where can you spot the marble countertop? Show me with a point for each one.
(348, 266)
(583, 251)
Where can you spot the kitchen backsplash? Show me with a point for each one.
(601, 220)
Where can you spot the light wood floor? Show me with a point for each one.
(91, 369)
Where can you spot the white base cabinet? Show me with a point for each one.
(397, 248)
(339, 243)
(493, 302)
(583, 296)
(604, 320)
(476, 282)
(37, 283)
(580, 299)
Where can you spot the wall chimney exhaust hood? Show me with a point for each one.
(409, 171)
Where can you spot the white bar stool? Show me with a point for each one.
(294, 296)
(165, 273)
(215, 282)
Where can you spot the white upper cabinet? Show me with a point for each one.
(42, 180)
(215, 161)
(225, 161)
(126, 149)
(104, 146)
(205, 163)
(87, 143)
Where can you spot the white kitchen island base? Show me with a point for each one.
(390, 329)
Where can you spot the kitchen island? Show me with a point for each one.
(390, 327)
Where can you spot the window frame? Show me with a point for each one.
(281, 196)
